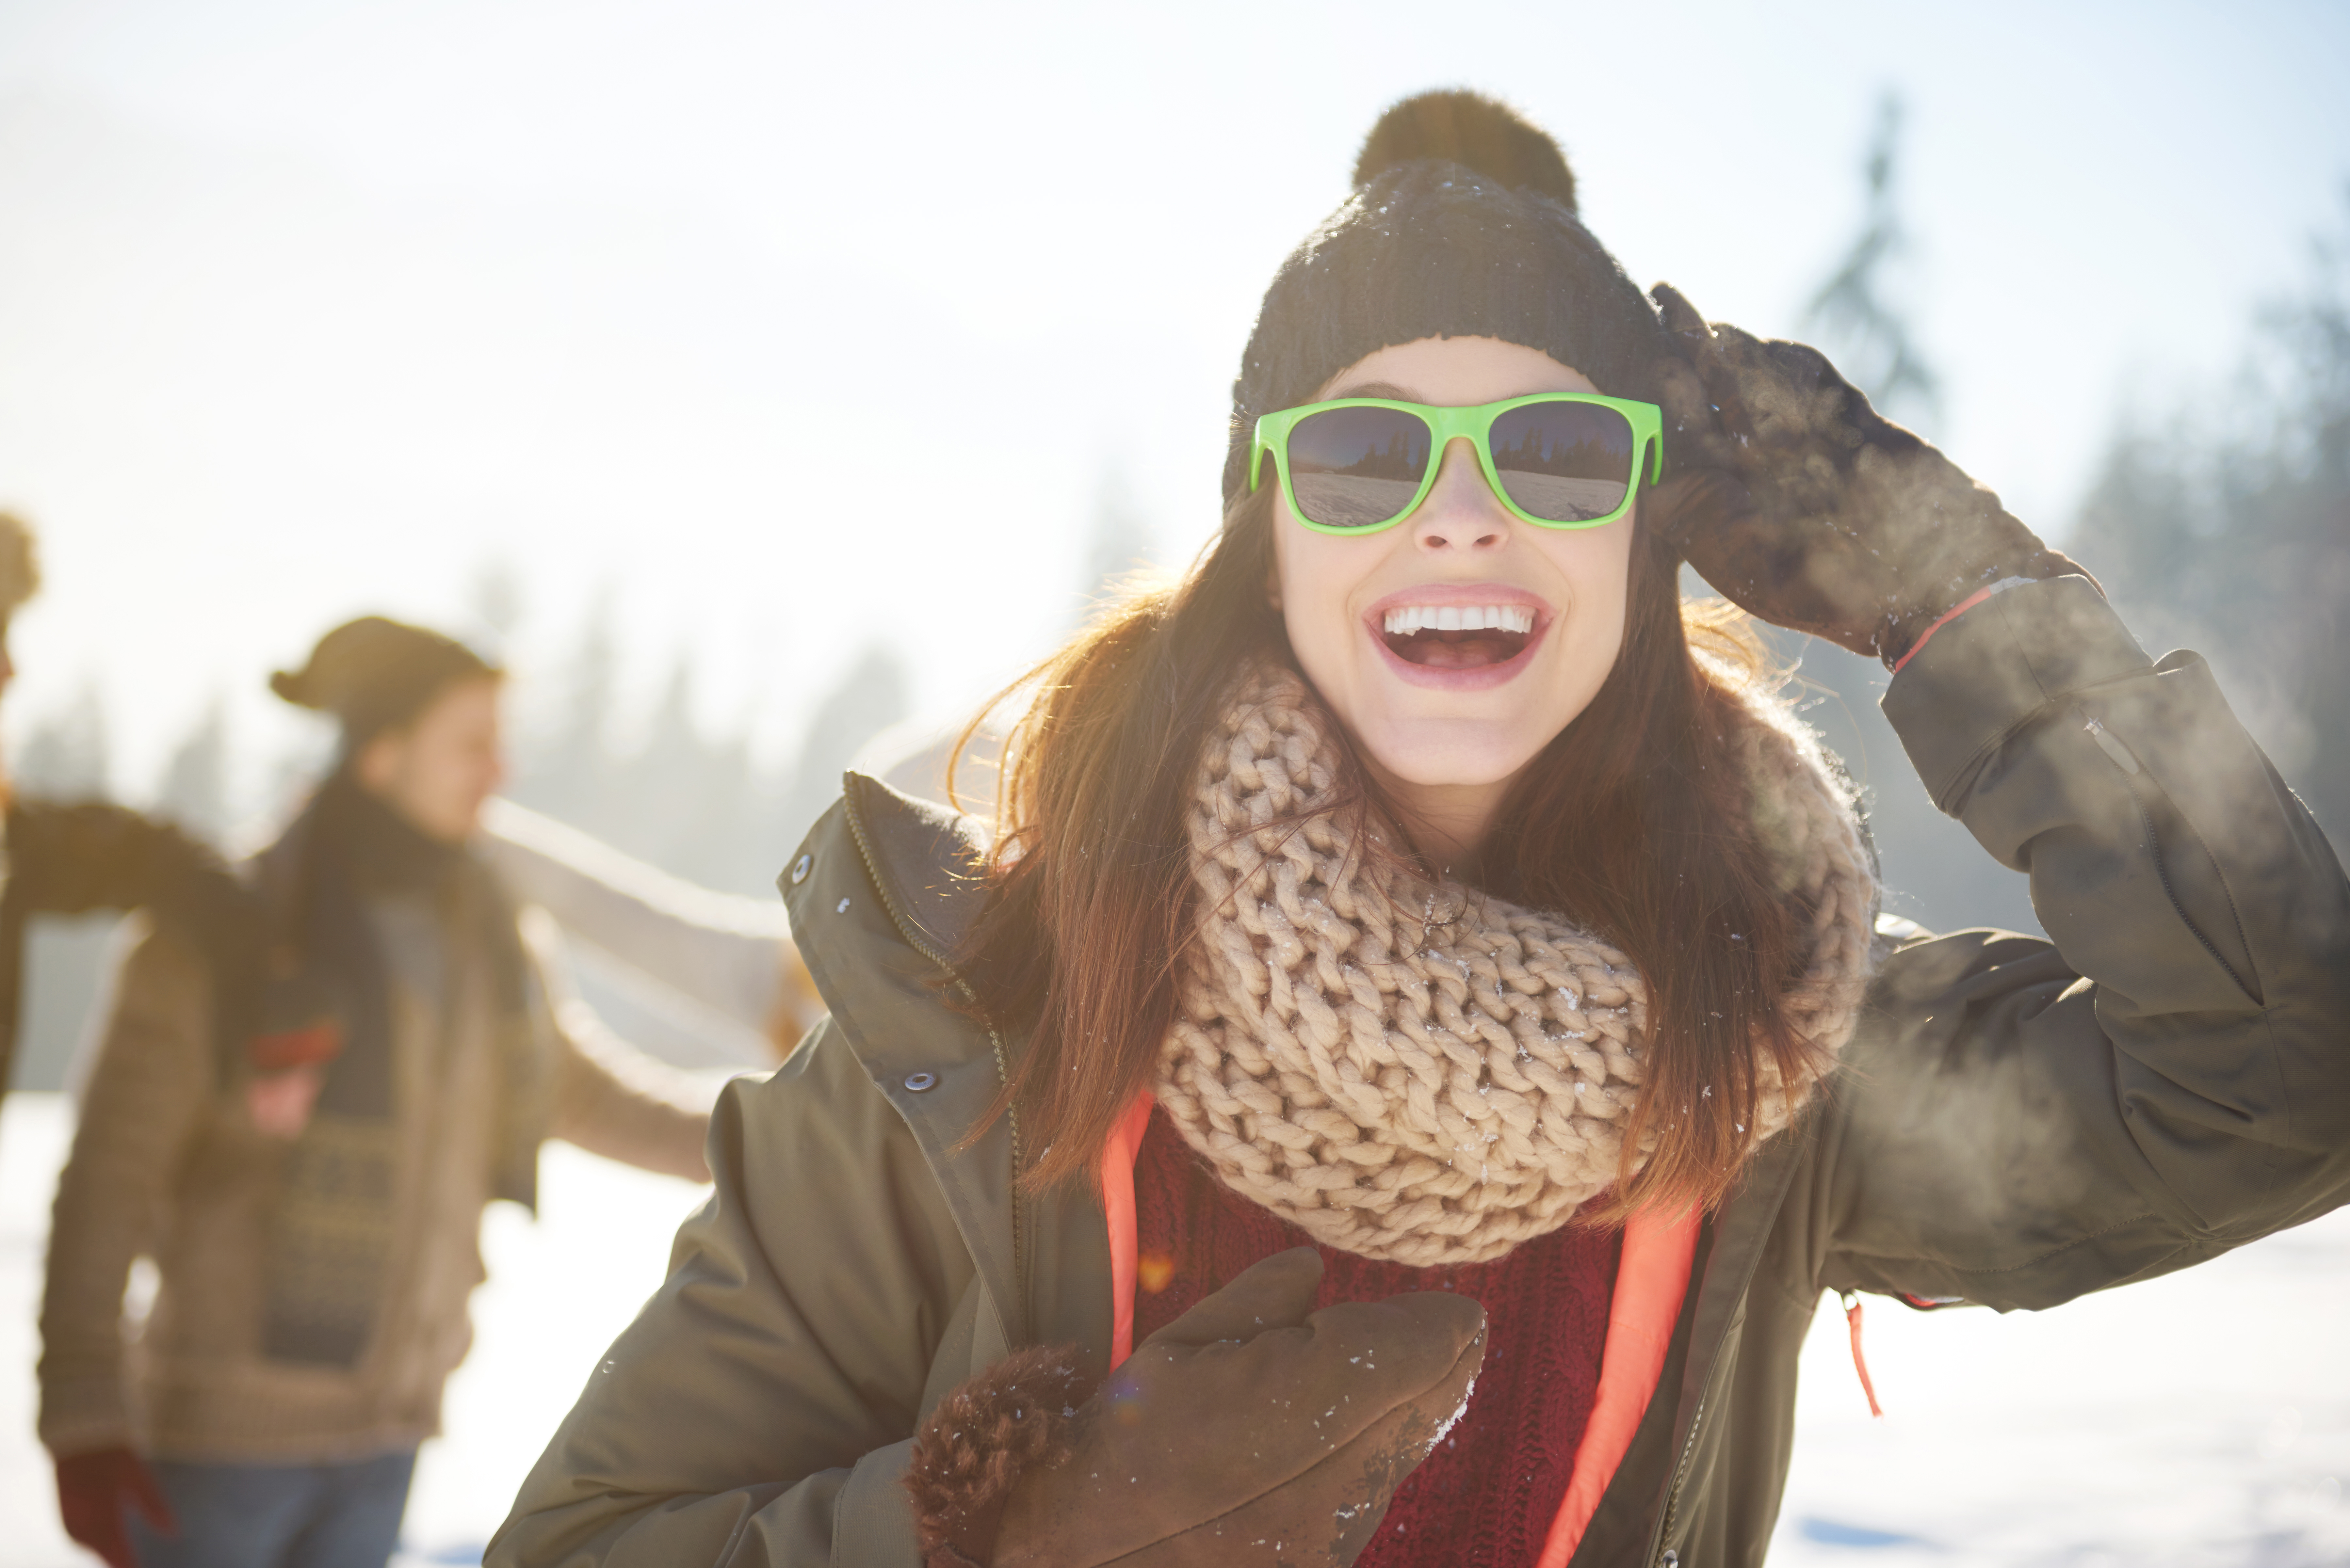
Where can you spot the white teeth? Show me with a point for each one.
(1409, 618)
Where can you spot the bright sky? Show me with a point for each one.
(797, 329)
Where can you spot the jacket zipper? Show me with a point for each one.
(1659, 1553)
(913, 938)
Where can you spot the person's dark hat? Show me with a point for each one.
(376, 674)
(1462, 224)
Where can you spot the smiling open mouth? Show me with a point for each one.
(1458, 637)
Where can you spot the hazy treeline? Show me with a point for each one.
(2223, 525)
(698, 803)
(695, 802)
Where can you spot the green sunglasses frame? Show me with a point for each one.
(1445, 425)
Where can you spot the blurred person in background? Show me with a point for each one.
(1420, 1040)
(60, 857)
(306, 1150)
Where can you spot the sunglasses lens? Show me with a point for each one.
(1356, 468)
(1565, 463)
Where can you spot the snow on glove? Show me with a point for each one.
(1249, 1430)
(1808, 508)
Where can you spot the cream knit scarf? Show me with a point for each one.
(1419, 1073)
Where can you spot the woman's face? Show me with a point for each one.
(440, 769)
(1448, 718)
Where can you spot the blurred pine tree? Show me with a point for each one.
(195, 788)
(2225, 527)
(1118, 545)
(873, 695)
(66, 755)
(1852, 316)
(1934, 872)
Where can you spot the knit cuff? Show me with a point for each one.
(979, 1442)
(83, 1419)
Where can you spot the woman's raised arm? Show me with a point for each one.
(2168, 1076)
(2171, 1077)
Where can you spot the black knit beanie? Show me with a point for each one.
(1462, 224)
(376, 674)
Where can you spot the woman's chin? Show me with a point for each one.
(1452, 752)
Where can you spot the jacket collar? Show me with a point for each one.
(926, 862)
(881, 894)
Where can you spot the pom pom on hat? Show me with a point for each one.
(1471, 129)
(1417, 251)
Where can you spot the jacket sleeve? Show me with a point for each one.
(149, 1094)
(69, 859)
(758, 1409)
(610, 1098)
(2168, 1076)
(722, 952)
(72, 859)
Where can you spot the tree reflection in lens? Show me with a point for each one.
(1358, 468)
(1563, 462)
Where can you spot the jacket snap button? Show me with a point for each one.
(841, 907)
(918, 1082)
(1671, 1559)
(799, 870)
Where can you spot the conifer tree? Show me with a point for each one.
(1852, 316)
(195, 789)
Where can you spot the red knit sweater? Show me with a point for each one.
(1487, 1495)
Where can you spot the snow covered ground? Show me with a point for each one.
(2195, 1422)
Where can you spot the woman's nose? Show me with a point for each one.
(1460, 512)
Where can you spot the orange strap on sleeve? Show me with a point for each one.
(1965, 605)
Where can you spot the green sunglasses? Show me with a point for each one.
(1556, 460)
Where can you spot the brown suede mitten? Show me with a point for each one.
(1804, 506)
(1250, 1430)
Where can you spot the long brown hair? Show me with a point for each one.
(1631, 822)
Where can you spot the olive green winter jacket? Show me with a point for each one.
(2016, 1122)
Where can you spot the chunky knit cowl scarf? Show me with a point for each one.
(1417, 1072)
